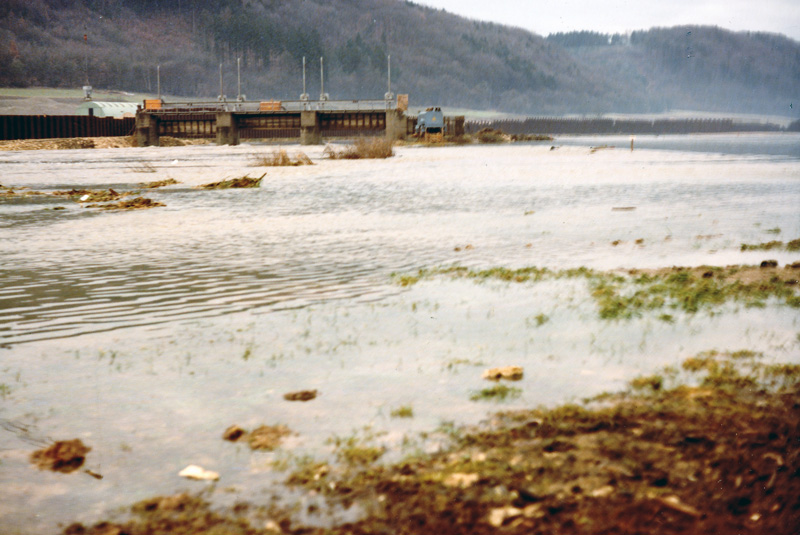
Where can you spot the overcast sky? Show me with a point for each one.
(617, 16)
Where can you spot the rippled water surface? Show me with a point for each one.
(147, 333)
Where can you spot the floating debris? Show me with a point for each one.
(139, 203)
(302, 395)
(64, 456)
(159, 183)
(592, 150)
(531, 137)
(241, 182)
(268, 437)
(196, 472)
(623, 209)
(18, 192)
(90, 195)
(512, 373)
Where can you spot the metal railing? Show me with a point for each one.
(254, 106)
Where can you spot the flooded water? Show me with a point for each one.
(147, 333)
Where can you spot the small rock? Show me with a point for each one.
(500, 514)
(460, 480)
(675, 503)
(233, 433)
(302, 395)
(512, 373)
(603, 492)
(272, 527)
(533, 511)
(196, 472)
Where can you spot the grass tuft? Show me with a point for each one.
(279, 158)
(363, 148)
(406, 411)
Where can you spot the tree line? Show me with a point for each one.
(438, 58)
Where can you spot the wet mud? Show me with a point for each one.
(64, 456)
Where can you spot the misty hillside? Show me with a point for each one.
(437, 58)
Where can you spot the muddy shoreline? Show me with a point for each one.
(712, 447)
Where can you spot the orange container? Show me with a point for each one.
(270, 105)
(154, 104)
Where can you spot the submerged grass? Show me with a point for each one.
(628, 295)
(496, 393)
(357, 449)
(143, 167)
(793, 245)
(405, 411)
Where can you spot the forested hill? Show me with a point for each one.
(437, 58)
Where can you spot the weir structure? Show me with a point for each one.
(310, 121)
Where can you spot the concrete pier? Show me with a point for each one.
(396, 127)
(147, 130)
(227, 129)
(310, 131)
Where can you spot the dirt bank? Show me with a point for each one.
(119, 142)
